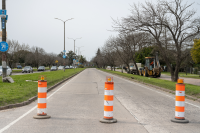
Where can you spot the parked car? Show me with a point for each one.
(41, 68)
(9, 70)
(53, 68)
(71, 67)
(27, 69)
(60, 67)
(19, 67)
(67, 67)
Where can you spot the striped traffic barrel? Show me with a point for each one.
(42, 100)
(180, 103)
(108, 101)
(42, 97)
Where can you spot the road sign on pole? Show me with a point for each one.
(3, 13)
(3, 46)
(64, 56)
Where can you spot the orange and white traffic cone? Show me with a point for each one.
(42, 103)
(180, 103)
(108, 101)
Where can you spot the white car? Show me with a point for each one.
(9, 70)
(60, 67)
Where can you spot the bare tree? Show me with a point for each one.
(171, 18)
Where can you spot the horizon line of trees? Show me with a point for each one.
(36, 56)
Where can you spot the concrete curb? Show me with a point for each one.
(157, 87)
(10, 106)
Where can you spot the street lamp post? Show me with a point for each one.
(64, 37)
(74, 42)
(74, 48)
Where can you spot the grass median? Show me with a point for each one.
(192, 90)
(21, 90)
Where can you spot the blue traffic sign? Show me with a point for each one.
(73, 59)
(64, 51)
(3, 46)
(3, 12)
(64, 56)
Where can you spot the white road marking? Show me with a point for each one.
(132, 82)
(12, 123)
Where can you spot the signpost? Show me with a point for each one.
(3, 45)
(64, 56)
(56, 62)
(74, 61)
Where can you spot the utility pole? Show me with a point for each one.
(4, 67)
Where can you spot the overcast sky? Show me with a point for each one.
(32, 22)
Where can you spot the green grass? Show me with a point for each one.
(183, 74)
(192, 90)
(22, 90)
(20, 70)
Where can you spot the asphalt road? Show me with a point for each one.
(77, 105)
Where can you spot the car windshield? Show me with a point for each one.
(41, 67)
(0, 67)
(27, 67)
(60, 66)
(53, 67)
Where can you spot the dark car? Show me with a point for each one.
(27, 69)
(41, 68)
(19, 67)
(53, 68)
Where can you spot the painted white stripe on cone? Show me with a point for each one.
(180, 104)
(108, 92)
(179, 114)
(40, 111)
(180, 93)
(108, 113)
(42, 89)
(42, 100)
(108, 103)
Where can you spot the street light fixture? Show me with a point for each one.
(64, 36)
(74, 49)
(79, 49)
(74, 42)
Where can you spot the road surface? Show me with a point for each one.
(77, 105)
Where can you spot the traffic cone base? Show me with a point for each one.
(103, 120)
(180, 120)
(42, 116)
